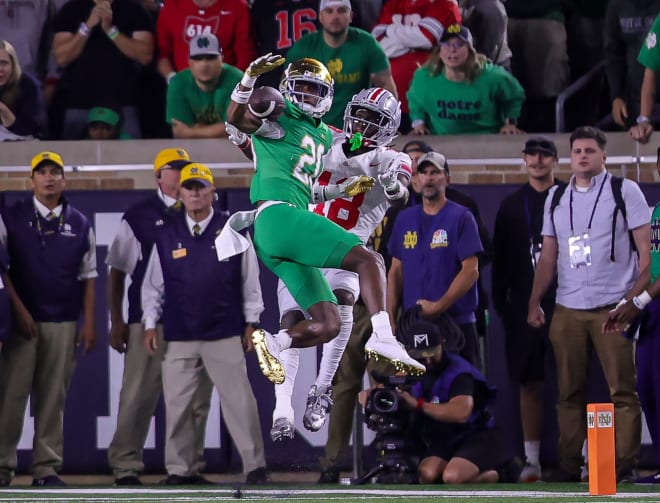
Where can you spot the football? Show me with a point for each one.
(266, 103)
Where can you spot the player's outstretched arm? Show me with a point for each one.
(238, 113)
(350, 187)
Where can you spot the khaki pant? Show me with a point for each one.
(183, 366)
(575, 334)
(347, 384)
(140, 389)
(41, 368)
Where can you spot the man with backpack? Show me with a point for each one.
(596, 239)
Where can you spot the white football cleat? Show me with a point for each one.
(389, 349)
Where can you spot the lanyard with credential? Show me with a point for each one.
(593, 211)
(40, 229)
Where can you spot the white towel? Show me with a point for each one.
(230, 241)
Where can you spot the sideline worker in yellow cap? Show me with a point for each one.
(52, 251)
(209, 309)
(141, 383)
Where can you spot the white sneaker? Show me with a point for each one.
(319, 403)
(268, 355)
(391, 350)
(530, 473)
(282, 428)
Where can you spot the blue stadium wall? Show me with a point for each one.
(91, 409)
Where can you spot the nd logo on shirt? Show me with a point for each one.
(440, 239)
(336, 66)
(410, 240)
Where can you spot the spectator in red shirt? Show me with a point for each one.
(408, 30)
(181, 20)
(278, 24)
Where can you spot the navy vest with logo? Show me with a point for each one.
(146, 219)
(484, 394)
(203, 297)
(45, 260)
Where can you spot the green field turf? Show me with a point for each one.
(537, 493)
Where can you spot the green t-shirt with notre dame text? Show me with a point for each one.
(286, 168)
(350, 65)
(189, 104)
(481, 106)
(649, 54)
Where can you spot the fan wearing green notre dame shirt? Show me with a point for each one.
(476, 107)
(198, 97)
(354, 65)
(458, 91)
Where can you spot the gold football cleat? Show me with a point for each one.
(390, 350)
(269, 362)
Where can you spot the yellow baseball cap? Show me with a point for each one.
(174, 157)
(47, 157)
(197, 172)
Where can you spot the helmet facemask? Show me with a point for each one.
(375, 114)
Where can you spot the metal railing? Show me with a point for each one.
(576, 86)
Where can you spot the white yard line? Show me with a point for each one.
(102, 494)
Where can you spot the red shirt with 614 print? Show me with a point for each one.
(229, 20)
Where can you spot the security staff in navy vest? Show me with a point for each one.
(52, 252)
(141, 382)
(209, 309)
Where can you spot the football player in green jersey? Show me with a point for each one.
(294, 242)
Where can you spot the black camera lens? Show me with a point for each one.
(385, 400)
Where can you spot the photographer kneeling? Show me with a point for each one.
(452, 425)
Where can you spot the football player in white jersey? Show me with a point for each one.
(371, 121)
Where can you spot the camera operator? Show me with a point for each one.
(452, 421)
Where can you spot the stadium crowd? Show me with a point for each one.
(64, 59)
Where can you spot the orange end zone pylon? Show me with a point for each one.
(600, 439)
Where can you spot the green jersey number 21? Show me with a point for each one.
(309, 167)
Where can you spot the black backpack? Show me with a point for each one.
(617, 183)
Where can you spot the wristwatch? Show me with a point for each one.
(641, 119)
